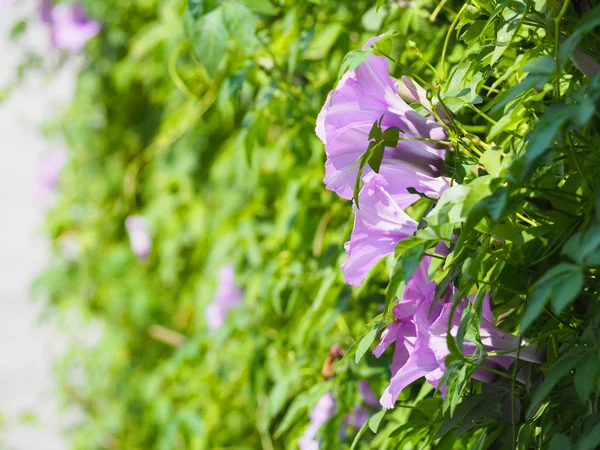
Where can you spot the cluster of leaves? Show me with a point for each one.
(200, 115)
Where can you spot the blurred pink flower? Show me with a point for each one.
(367, 394)
(6, 4)
(45, 10)
(356, 418)
(139, 236)
(320, 414)
(70, 28)
(51, 167)
(227, 296)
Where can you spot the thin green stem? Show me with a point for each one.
(558, 319)
(433, 255)
(512, 397)
(447, 40)
(437, 10)
(527, 220)
(482, 114)
(557, 20)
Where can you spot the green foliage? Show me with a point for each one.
(200, 115)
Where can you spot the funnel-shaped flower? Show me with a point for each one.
(413, 359)
(362, 97)
(381, 222)
(227, 296)
(139, 236)
(70, 27)
(320, 414)
(419, 333)
(493, 339)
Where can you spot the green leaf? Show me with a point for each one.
(352, 60)
(196, 8)
(591, 441)
(449, 207)
(241, 24)
(561, 283)
(411, 259)
(543, 134)
(379, 4)
(561, 368)
(359, 435)
(233, 84)
(210, 37)
(496, 203)
(490, 408)
(473, 31)
(535, 305)
(461, 411)
(584, 248)
(588, 22)
(18, 29)
(376, 134)
(395, 280)
(376, 419)
(361, 168)
(262, 7)
(510, 25)
(542, 65)
(479, 444)
(559, 442)
(566, 288)
(516, 92)
(376, 157)
(391, 136)
(585, 377)
(366, 341)
(293, 413)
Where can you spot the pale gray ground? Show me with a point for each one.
(27, 350)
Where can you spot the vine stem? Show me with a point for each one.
(557, 20)
(437, 10)
(447, 40)
(512, 396)
(172, 69)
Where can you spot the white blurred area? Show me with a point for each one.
(30, 414)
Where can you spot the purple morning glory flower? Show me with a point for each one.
(227, 296)
(49, 174)
(413, 359)
(492, 338)
(70, 27)
(419, 333)
(139, 236)
(362, 97)
(367, 394)
(356, 418)
(381, 222)
(320, 414)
